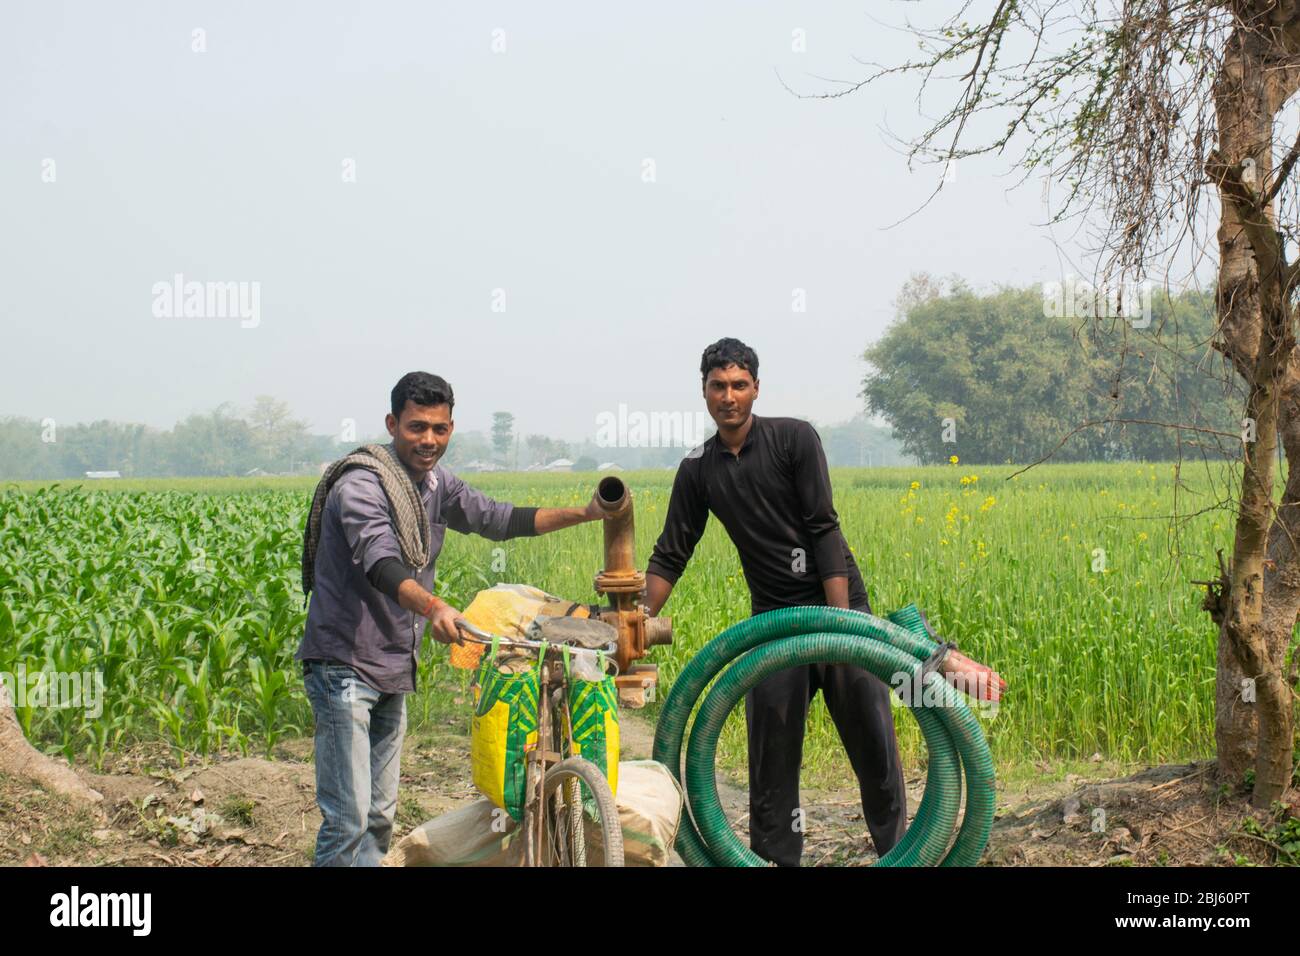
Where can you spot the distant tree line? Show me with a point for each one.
(267, 439)
(264, 439)
(1005, 376)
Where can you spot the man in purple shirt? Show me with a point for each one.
(367, 608)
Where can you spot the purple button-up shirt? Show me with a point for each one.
(351, 622)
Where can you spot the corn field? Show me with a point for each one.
(1069, 580)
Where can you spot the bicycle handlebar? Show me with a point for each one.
(477, 636)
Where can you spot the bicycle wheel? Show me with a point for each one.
(562, 807)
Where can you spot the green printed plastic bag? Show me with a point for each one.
(504, 725)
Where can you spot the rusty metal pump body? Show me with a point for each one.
(624, 586)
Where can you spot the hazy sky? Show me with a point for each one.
(476, 169)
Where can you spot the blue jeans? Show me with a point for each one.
(359, 735)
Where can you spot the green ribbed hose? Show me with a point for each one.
(771, 642)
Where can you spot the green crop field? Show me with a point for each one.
(1068, 579)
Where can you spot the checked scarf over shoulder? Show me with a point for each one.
(408, 510)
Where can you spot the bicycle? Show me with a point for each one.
(554, 832)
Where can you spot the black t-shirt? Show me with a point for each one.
(774, 499)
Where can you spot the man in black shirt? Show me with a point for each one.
(767, 481)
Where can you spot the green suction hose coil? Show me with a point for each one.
(771, 642)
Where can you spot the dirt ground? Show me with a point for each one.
(250, 811)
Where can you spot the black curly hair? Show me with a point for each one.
(726, 352)
(423, 389)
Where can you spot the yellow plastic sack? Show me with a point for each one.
(504, 728)
(502, 731)
(593, 713)
(508, 609)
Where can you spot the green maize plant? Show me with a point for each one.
(1068, 579)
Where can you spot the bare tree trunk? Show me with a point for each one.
(1257, 608)
(1262, 602)
(1243, 129)
(1282, 603)
(20, 759)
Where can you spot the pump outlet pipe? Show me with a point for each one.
(902, 652)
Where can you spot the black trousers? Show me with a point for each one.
(775, 714)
